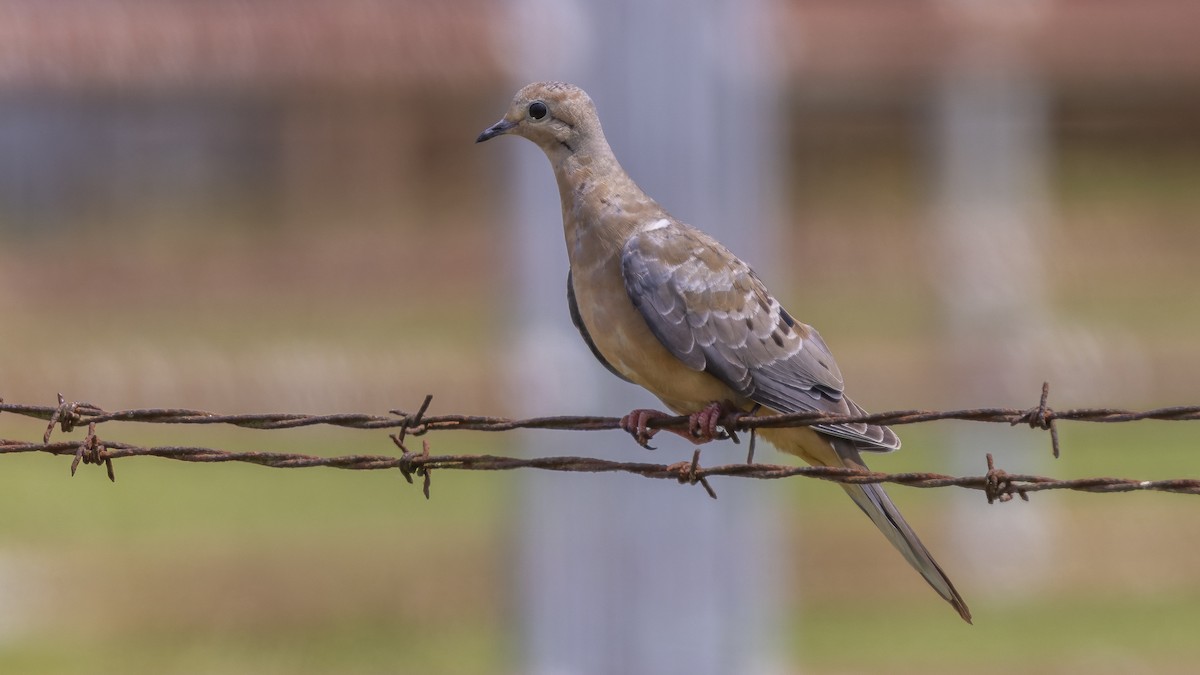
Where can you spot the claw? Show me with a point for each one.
(635, 424)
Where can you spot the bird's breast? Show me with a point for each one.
(623, 337)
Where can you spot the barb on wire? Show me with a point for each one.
(997, 484)
(68, 415)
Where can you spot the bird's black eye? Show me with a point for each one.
(538, 110)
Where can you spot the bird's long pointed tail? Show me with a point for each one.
(880, 509)
(825, 450)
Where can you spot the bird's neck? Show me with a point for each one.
(601, 205)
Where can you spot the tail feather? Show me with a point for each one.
(825, 450)
(880, 509)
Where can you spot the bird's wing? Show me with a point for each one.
(576, 319)
(714, 314)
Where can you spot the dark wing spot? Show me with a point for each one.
(787, 318)
(750, 323)
(777, 338)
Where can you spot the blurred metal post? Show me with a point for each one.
(991, 113)
(617, 574)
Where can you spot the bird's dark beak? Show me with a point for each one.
(498, 129)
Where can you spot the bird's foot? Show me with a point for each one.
(705, 426)
(635, 424)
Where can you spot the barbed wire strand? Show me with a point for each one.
(997, 484)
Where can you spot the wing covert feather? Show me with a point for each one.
(712, 312)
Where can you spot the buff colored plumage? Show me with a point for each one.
(667, 307)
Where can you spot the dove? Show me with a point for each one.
(667, 307)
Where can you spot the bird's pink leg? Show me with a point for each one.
(703, 426)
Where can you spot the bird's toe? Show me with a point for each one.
(635, 423)
(705, 426)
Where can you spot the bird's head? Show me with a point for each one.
(555, 115)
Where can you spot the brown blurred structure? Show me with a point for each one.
(411, 44)
(354, 103)
(1071, 42)
(268, 44)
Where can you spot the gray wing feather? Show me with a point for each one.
(714, 314)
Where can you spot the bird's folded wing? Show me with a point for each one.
(713, 313)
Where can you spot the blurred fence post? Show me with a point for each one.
(990, 136)
(620, 575)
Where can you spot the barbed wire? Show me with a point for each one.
(997, 484)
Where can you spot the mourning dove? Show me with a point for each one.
(665, 306)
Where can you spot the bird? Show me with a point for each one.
(666, 306)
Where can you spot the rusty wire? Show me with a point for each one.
(997, 484)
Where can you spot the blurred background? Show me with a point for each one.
(277, 206)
